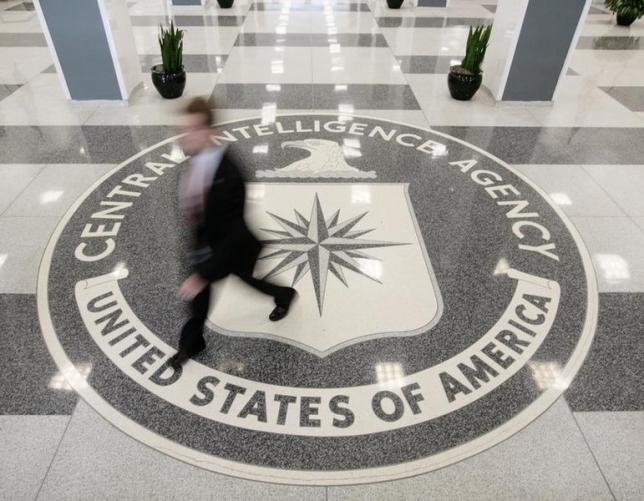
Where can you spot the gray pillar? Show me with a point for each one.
(432, 3)
(530, 47)
(188, 2)
(93, 47)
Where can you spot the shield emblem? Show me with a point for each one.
(353, 252)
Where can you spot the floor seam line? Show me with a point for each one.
(592, 453)
(610, 197)
(53, 458)
(42, 168)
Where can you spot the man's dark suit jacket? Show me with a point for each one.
(234, 248)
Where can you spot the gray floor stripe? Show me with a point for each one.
(631, 97)
(30, 379)
(317, 96)
(521, 145)
(311, 40)
(611, 43)
(612, 377)
(188, 20)
(556, 145)
(24, 6)
(22, 40)
(335, 7)
(8, 89)
(427, 64)
(430, 22)
(193, 63)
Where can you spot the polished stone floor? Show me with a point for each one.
(470, 321)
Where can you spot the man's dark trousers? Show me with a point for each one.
(242, 264)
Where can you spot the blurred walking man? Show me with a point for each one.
(212, 197)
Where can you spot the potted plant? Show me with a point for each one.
(627, 11)
(169, 78)
(225, 4)
(465, 79)
(394, 4)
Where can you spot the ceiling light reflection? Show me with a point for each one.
(351, 142)
(560, 198)
(439, 150)
(613, 267)
(269, 111)
(360, 195)
(390, 374)
(50, 196)
(77, 376)
(176, 154)
(547, 375)
(351, 152)
(120, 270)
(502, 267)
(371, 267)
(255, 192)
(277, 66)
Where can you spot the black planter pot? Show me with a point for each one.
(169, 85)
(225, 4)
(625, 19)
(463, 85)
(394, 4)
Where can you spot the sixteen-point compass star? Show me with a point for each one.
(320, 245)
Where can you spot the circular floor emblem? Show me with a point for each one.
(444, 303)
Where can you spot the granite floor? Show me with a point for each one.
(424, 255)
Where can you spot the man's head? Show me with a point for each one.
(196, 125)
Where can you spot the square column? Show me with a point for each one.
(530, 47)
(189, 2)
(93, 47)
(432, 3)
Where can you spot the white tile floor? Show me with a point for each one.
(264, 65)
(31, 443)
(623, 183)
(573, 189)
(53, 190)
(615, 244)
(146, 107)
(21, 64)
(548, 460)
(96, 461)
(610, 434)
(42, 101)
(15, 180)
(426, 41)
(21, 249)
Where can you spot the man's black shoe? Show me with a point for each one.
(178, 359)
(280, 311)
(181, 357)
